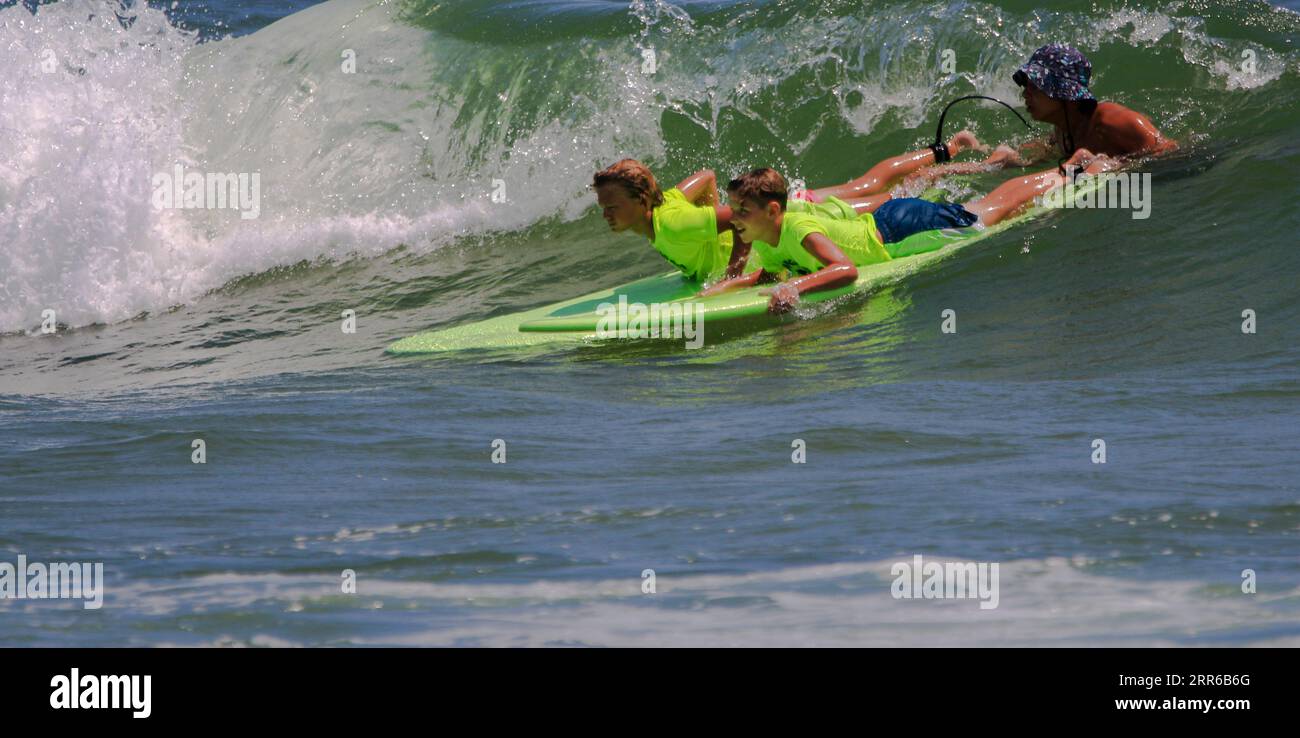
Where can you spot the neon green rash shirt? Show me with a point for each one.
(687, 235)
(831, 207)
(856, 237)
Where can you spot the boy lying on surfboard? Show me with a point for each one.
(691, 228)
(811, 251)
(807, 251)
(688, 225)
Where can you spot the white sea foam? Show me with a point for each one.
(1044, 602)
(349, 164)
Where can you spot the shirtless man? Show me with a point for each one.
(1089, 135)
(1055, 83)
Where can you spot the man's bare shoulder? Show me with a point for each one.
(1127, 130)
(1112, 113)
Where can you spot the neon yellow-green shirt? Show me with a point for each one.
(831, 207)
(856, 237)
(687, 235)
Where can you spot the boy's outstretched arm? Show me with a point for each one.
(735, 283)
(739, 256)
(838, 272)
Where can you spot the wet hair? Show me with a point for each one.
(1087, 106)
(634, 177)
(762, 185)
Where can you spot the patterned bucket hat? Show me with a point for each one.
(1060, 71)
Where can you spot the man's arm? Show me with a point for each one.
(929, 175)
(838, 272)
(1027, 154)
(1002, 157)
(1036, 152)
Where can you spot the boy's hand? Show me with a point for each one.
(784, 297)
(718, 287)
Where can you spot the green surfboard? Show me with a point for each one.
(503, 331)
(668, 298)
(752, 301)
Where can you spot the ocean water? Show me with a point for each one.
(324, 454)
